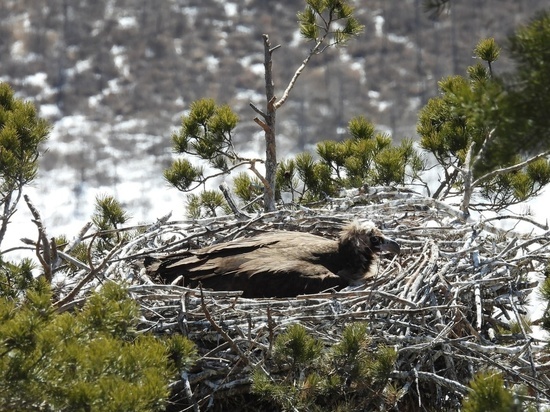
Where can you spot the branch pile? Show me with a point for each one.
(451, 304)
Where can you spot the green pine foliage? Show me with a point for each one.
(319, 17)
(15, 277)
(108, 217)
(182, 174)
(94, 358)
(530, 85)
(488, 123)
(297, 348)
(21, 134)
(109, 213)
(248, 189)
(91, 360)
(208, 203)
(489, 394)
(365, 158)
(206, 133)
(352, 374)
(488, 51)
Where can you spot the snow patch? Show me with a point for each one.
(97, 27)
(50, 111)
(297, 39)
(212, 63)
(243, 29)
(414, 103)
(178, 46)
(231, 9)
(120, 60)
(79, 67)
(83, 65)
(383, 105)
(95, 101)
(127, 22)
(37, 80)
(17, 49)
(113, 87)
(378, 25)
(257, 68)
(373, 94)
(394, 38)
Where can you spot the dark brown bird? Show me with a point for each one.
(280, 263)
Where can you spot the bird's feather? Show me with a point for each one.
(275, 264)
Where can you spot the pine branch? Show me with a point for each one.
(467, 176)
(224, 172)
(453, 385)
(262, 124)
(10, 207)
(299, 71)
(543, 226)
(509, 169)
(78, 239)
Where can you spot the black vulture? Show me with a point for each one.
(279, 263)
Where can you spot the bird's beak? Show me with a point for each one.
(390, 246)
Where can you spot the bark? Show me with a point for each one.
(269, 129)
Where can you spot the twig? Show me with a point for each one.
(188, 391)
(453, 385)
(44, 257)
(225, 336)
(94, 271)
(78, 239)
(225, 190)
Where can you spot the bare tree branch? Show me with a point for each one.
(45, 256)
(236, 211)
(300, 69)
(257, 110)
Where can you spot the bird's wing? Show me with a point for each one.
(270, 246)
(267, 277)
(238, 246)
(277, 264)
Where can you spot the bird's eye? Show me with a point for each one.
(375, 240)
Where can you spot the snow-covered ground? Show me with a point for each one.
(66, 199)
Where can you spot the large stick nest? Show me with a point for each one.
(448, 303)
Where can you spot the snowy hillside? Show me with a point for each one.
(114, 78)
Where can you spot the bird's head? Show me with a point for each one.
(361, 243)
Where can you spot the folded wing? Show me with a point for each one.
(275, 264)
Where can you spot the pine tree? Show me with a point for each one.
(529, 88)
(21, 134)
(55, 357)
(351, 374)
(207, 132)
(365, 158)
(489, 394)
(468, 130)
(92, 359)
